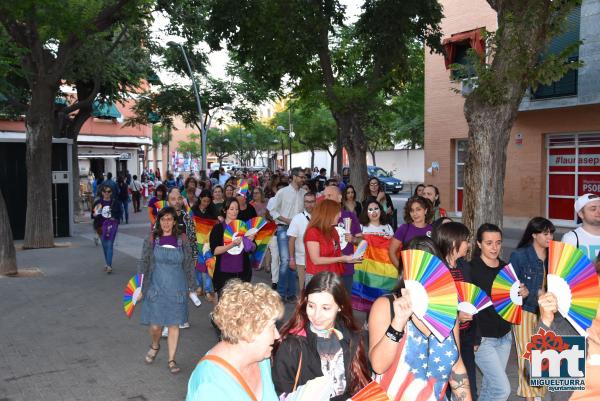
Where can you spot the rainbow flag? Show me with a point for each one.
(262, 239)
(375, 276)
(203, 228)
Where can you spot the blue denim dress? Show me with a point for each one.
(165, 303)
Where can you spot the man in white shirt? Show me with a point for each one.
(223, 176)
(289, 201)
(296, 237)
(587, 236)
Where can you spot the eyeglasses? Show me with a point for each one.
(372, 209)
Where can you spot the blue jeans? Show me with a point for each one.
(491, 358)
(287, 277)
(125, 210)
(204, 281)
(107, 247)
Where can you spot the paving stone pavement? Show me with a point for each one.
(64, 336)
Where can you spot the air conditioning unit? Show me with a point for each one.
(467, 86)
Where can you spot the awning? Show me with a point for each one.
(472, 37)
(105, 110)
(90, 156)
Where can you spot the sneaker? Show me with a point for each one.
(211, 297)
(165, 332)
(108, 269)
(186, 325)
(274, 286)
(96, 240)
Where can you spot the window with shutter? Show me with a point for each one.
(567, 85)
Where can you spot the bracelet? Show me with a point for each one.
(394, 334)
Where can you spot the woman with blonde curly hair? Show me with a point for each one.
(239, 366)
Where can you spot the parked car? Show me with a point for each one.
(391, 183)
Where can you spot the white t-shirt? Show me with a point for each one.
(588, 243)
(297, 229)
(379, 230)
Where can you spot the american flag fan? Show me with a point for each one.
(421, 368)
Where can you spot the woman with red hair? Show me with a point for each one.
(322, 339)
(322, 242)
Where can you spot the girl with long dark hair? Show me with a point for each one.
(530, 261)
(322, 338)
(228, 265)
(349, 201)
(452, 241)
(160, 194)
(404, 353)
(494, 338)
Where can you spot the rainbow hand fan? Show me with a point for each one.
(234, 230)
(371, 392)
(505, 295)
(243, 187)
(573, 279)
(471, 299)
(432, 290)
(255, 224)
(132, 290)
(159, 205)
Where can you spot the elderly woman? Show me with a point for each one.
(239, 366)
(168, 268)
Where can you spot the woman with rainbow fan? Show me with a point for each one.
(322, 338)
(493, 337)
(452, 241)
(227, 265)
(167, 265)
(530, 261)
(408, 359)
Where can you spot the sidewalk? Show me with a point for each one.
(65, 336)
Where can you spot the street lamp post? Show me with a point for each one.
(203, 128)
(291, 135)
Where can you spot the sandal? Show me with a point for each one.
(173, 368)
(151, 354)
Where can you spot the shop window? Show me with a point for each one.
(567, 85)
(573, 169)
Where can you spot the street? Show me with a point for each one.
(65, 336)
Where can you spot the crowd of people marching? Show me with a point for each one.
(311, 259)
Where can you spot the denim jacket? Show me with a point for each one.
(530, 271)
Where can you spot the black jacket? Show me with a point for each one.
(287, 357)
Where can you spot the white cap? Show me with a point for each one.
(584, 200)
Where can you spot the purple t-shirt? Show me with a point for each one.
(168, 240)
(349, 249)
(406, 232)
(235, 263)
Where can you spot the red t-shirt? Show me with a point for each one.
(328, 248)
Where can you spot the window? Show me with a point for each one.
(567, 85)
(456, 50)
(461, 157)
(573, 169)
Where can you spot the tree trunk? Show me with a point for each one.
(8, 257)
(332, 164)
(485, 167)
(39, 123)
(312, 159)
(340, 152)
(356, 145)
(76, 182)
(372, 152)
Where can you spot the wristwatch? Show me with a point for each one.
(394, 334)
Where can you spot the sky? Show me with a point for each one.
(218, 60)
